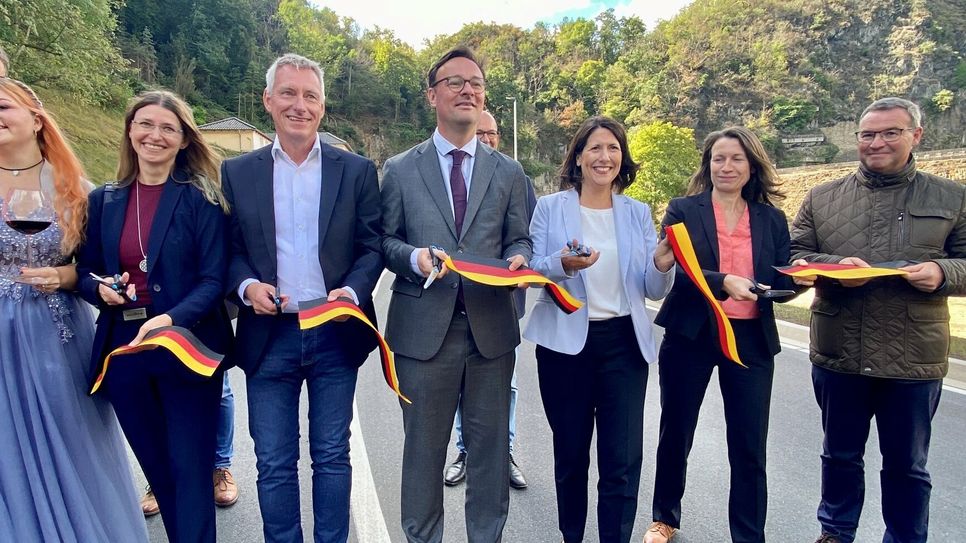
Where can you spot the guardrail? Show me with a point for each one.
(920, 156)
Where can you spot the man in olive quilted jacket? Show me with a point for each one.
(879, 347)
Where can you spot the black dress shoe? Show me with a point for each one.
(455, 472)
(517, 480)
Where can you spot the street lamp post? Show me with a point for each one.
(514, 98)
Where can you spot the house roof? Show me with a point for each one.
(231, 123)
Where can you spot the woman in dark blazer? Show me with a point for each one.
(738, 235)
(163, 228)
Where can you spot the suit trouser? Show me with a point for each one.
(458, 423)
(903, 411)
(604, 383)
(169, 416)
(685, 370)
(291, 358)
(435, 386)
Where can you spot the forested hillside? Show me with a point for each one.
(782, 68)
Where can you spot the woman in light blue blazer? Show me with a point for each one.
(593, 364)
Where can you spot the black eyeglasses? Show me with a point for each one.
(488, 133)
(455, 83)
(888, 135)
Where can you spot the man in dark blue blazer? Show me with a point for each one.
(305, 225)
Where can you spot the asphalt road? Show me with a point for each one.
(793, 466)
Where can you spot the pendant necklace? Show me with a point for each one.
(143, 264)
(16, 171)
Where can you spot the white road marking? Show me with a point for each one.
(367, 517)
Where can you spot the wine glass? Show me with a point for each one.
(28, 211)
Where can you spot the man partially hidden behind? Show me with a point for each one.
(879, 347)
(305, 225)
(454, 339)
(488, 132)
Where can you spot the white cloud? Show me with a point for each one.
(416, 20)
(650, 11)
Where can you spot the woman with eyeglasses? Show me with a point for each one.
(162, 230)
(64, 474)
(738, 237)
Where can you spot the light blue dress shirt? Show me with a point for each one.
(297, 191)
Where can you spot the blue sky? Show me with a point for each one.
(414, 21)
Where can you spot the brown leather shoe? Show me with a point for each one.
(226, 491)
(659, 532)
(149, 504)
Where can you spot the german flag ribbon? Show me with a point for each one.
(494, 272)
(180, 342)
(839, 271)
(684, 253)
(318, 312)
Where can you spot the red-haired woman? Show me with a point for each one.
(64, 475)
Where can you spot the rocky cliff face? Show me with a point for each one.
(810, 67)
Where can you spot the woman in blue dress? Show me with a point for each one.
(64, 474)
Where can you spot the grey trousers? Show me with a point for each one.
(435, 387)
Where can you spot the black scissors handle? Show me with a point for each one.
(760, 290)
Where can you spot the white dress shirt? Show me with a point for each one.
(297, 192)
(443, 146)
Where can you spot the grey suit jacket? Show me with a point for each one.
(416, 212)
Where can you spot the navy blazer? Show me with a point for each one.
(349, 248)
(685, 311)
(187, 255)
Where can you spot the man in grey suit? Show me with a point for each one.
(451, 337)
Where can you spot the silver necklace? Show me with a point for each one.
(143, 264)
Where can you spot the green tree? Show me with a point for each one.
(66, 44)
(942, 100)
(668, 156)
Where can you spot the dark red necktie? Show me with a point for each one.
(458, 184)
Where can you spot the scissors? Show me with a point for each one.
(765, 292)
(117, 286)
(437, 266)
(579, 249)
(277, 300)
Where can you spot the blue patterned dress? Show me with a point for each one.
(64, 474)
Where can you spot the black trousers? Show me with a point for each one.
(603, 384)
(169, 416)
(903, 411)
(685, 370)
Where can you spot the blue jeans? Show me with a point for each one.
(224, 449)
(903, 411)
(291, 358)
(513, 411)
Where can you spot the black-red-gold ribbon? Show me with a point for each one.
(684, 253)
(838, 271)
(317, 312)
(494, 272)
(180, 342)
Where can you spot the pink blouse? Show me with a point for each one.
(734, 250)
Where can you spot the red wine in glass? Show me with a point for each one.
(27, 211)
(28, 227)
